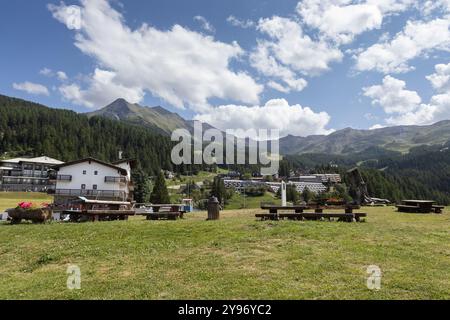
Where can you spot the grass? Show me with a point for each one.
(200, 177)
(238, 201)
(234, 258)
(11, 199)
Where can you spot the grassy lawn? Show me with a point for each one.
(234, 258)
(202, 176)
(238, 201)
(11, 199)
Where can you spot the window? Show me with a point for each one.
(95, 173)
(83, 187)
(84, 172)
(94, 187)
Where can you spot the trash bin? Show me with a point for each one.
(213, 209)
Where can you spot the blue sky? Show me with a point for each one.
(304, 67)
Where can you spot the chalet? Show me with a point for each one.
(27, 174)
(94, 179)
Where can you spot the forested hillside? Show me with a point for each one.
(424, 173)
(29, 129)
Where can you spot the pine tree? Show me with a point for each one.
(143, 187)
(307, 195)
(218, 190)
(160, 195)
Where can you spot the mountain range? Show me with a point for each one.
(157, 119)
(346, 141)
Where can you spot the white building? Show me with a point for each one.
(240, 185)
(94, 179)
(27, 174)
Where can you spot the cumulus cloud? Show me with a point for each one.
(343, 20)
(416, 39)
(46, 72)
(206, 25)
(289, 53)
(263, 60)
(292, 47)
(440, 80)
(393, 97)
(178, 65)
(32, 88)
(405, 107)
(103, 88)
(429, 6)
(275, 114)
(61, 75)
(245, 24)
(340, 20)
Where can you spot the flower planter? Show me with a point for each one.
(40, 215)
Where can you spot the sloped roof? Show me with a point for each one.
(43, 160)
(71, 163)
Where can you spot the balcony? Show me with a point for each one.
(64, 178)
(115, 180)
(109, 194)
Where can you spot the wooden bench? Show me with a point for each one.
(164, 212)
(98, 215)
(438, 209)
(419, 206)
(346, 217)
(164, 216)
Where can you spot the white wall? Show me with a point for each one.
(76, 171)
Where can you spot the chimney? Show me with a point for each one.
(120, 155)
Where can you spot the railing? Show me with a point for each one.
(115, 180)
(20, 174)
(25, 188)
(90, 193)
(62, 177)
(25, 181)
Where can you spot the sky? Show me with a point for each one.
(304, 67)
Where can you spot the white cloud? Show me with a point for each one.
(178, 65)
(69, 15)
(262, 60)
(278, 86)
(340, 20)
(393, 6)
(343, 20)
(245, 24)
(393, 97)
(206, 25)
(289, 52)
(429, 6)
(32, 88)
(46, 72)
(377, 126)
(406, 107)
(293, 48)
(424, 114)
(441, 79)
(275, 114)
(61, 75)
(102, 90)
(416, 39)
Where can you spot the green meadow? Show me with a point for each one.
(237, 257)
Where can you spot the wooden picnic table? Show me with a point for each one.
(318, 213)
(419, 206)
(300, 209)
(164, 211)
(98, 215)
(347, 217)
